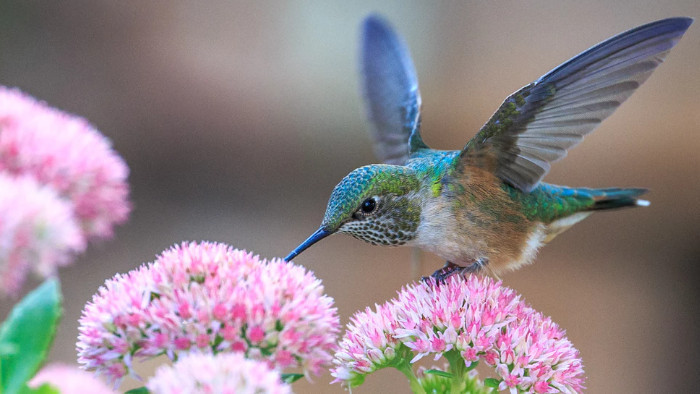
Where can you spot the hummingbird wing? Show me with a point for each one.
(538, 124)
(390, 89)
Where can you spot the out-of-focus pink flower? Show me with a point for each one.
(222, 373)
(477, 318)
(37, 231)
(209, 298)
(67, 153)
(69, 379)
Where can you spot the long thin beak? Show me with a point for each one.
(315, 237)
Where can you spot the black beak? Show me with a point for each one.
(315, 237)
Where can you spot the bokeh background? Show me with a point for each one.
(238, 118)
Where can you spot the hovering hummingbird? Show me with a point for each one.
(483, 208)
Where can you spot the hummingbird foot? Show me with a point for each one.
(450, 268)
(447, 270)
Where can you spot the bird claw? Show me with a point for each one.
(441, 275)
(450, 268)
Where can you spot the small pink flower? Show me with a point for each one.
(271, 310)
(369, 343)
(478, 318)
(67, 153)
(256, 335)
(69, 380)
(541, 387)
(38, 232)
(221, 373)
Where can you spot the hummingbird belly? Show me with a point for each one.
(439, 233)
(481, 225)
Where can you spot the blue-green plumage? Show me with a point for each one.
(485, 206)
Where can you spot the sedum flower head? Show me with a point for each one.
(209, 298)
(369, 344)
(37, 231)
(467, 321)
(222, 373)
(67, 153)
(69, 379)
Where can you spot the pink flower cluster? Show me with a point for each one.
(227, 373)
(476, 317)
(63, 153)
(209, 298)
(69, 379)
(68, 154)
(369, 342)
(37, 231)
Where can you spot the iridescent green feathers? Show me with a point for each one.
(365, 182)
(548, 203)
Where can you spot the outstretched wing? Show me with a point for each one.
(539, 123)
(390, 89)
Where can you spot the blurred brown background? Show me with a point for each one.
(238, 118)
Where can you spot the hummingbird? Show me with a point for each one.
(484, 208)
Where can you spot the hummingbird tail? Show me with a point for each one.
(593, 200)
(617, 198)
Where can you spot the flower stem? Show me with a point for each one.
(458, 370)
(406, 369)
(402, 362)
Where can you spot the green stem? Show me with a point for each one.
(458, 370)
(405, 368)
(402, 362)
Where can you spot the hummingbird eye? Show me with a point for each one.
(368, 206)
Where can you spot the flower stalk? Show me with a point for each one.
(403, 364)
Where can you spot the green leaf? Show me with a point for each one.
(491, 382)
(138, 390)
(29, 330)
(439, 373)
(291, 377)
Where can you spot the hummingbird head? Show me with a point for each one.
(378, 204)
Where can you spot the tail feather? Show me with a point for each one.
(602, 199)
(617, 198)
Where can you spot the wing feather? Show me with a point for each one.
(537, 125)
(390, 89)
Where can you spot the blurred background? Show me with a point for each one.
(238, 118)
